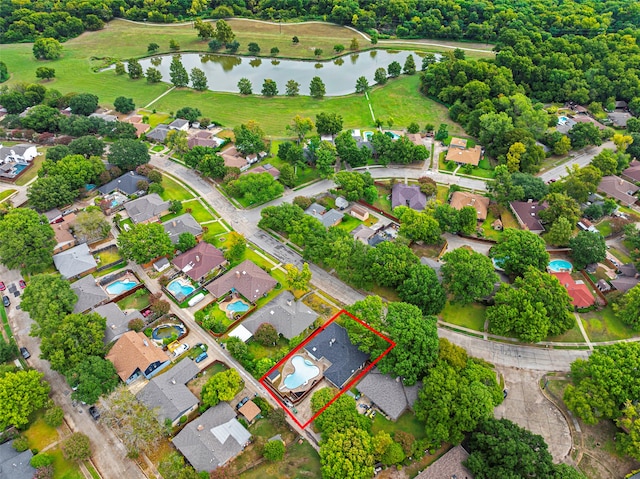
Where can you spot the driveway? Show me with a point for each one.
(526, 406)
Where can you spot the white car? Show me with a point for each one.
(180, 349)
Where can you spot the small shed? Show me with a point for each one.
(341, 203)
(497, 225)
(242, 333)
(359, 212)
(161, 264)
(250, 411)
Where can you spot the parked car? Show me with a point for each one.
(25, 353)
(201, 357)
(6, 301)
(242, 402)
(22, 284)
(2, 286)
(180, 349)
(95, 414)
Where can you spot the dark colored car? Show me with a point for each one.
(95, 414)
(242, 403)
(2, 286)
(201, 357)
(25, 353)
(6, 301)
(22, 284)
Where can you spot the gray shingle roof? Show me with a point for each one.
(74, 261)
(117, 320)
(126, 183)
(408, 195)
(247, 278)
(326, 217)
(159, 133)
(145, 208)
(182, 224)
(168, 391)
(620, 189)
(212, 439)
(288, 316)
(89, 293)
(333, 344)
(14, 464)
(448, 466)
(388, 393)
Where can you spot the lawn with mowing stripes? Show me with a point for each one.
(173, 190)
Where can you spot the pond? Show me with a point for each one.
(339, 75)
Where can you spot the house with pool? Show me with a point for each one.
(117, 320)
(200, 261)
(328, 359)
(89, 294)
(134, 355)
(247, 280)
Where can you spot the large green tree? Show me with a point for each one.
(627, 308)
(45, 48)
(50, 192)
(516, 250)
(144, 242)
(222, 386)
(128, 154)
(75, 338)
(21, 394)
(26, 240)
(347, 454)
(467, 275)
(328, 123)
(47, 298)
(560, 205)
(249, 138)
(390, 262)
(536, 306)
(418, 225)
(93, 377)
(587, 248)
(422, 289)
(256, 188)
(341, 414)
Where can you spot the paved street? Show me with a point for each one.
(581, 159)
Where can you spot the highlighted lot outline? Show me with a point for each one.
(263, 379)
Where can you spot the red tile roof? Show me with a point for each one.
(581, 296)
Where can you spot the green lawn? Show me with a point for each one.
(173, 190)
(40, 435)
(442, 194)
(108, 256)
(604, 227)
(621, 255)
(407, 423)
(605, 326)
(259, 351)
(5, 194)
(470, 316)
(138, 300)
(198, 211)
(383, 201)
(349, 223)
(32, 172)
(300, 460)
(213, 230)
(572, 336)
(63, 469)
(157, 148)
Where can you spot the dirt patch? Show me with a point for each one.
(600, 458)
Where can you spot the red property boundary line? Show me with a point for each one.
(392, 345)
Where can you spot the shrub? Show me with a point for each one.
(273, 450)
(41, 460)
(302, 201)
(45, 472)
(76, 447)
(183, 419)
(53, 417)
(136, 325)
(21, 443)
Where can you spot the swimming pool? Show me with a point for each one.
(120, 286)
(498, 263)
(303, 372)
(167, 330)
(393, 135)
(238, 306)
(562, 120)
(368, 135)
(17, 169)
(560, 266)
(180, 288)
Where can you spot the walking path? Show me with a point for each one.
(156, 99)
(366, 95)
(583, 332)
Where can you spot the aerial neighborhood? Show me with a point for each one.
(324, 240)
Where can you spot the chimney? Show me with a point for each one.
(289, 302)
(237, 274)
(173, 223)
(200, 427)
(530, 200)
(197, 258)
(244, 272)
(314, 211)
(144, 341)
(173, 381)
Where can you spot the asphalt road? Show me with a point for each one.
(581, 159)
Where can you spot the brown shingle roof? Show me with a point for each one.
(250, 411)
(470, 156)
(633, 171)
(619, 189)
(199, 260)
(458, 143)
(460, 199)
(527, 214)
(247, 278)
(134, 351)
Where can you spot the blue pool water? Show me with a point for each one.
(304, 370)
(238, 306)
(18, 168)
(120, 286)
(166, 330)
(368, 135)
(392, 135)
(560, 266)
(498, 262)
(178, 289)
(562, 120)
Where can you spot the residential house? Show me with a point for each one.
(134, 355)
(147, 208)
(204, 138)
(159, 133)
(588, 119)
(332, 343)
(581, 296)
(619, 118)
(627, 278)
(408, 195)
(460, 199)
(182, 224)
(200, 260)
(53, 216)
(75, 262)
(105, 117)
(460, 154)
(168, 395)
(213, 439)
(586, 225)
(247, 278)
(416, 139)
(179, 124)
(388, 393)
(449, 466)
(619, 189)
(632, 173)
(266, 168)
(250, 411)
(359, 212)
(64, 237)
(288, 316)
(14, 464)
(117, 320)
(23, 153)
(127, 184)
(459, 143)
(136, 121)
(363, 233)
(528, 215)
(89, 294)
(328, 218)
(565, 124)
(234, 159)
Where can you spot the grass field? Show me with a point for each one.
(605, 326)
(5, 194)
(407, 423)
(174, 191)
(138, 300)
(40, 435)
(198, 211)
(32, 172)
(470, 316)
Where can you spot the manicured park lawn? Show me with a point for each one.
(5, 194)
(470, 316)
(198, 211)
(173, 190)
(605, 326)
